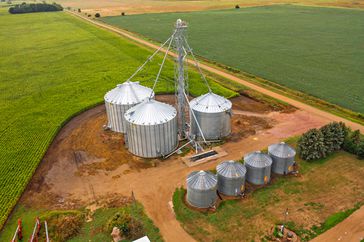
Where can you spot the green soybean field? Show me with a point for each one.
(315, 50)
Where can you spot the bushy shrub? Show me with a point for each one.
(79, 10)
(237, 6)
(97, 15)
(35, 7)
(334, 136)
(360, 150)
(122, 13)
(351, 142)
(130, 227)
(311, 145)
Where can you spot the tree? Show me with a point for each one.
(311, 145)
(334, 136)
(237, 6)
(97, 15)
(352, 141)
(360, 150)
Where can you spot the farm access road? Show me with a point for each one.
(224, 74)
(171, 229)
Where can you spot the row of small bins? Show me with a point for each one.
(202, 186)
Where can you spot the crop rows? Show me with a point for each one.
(64, 67)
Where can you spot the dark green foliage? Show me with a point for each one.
(311, 145)
(360, 150)
(237, 6)
(334, 135)
(97, 15)
(35, 7)
(130, 227)
(354, 144)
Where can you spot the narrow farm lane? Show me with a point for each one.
(155, 195)
(351, 229)
(219, 72)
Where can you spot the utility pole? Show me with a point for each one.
(181, 102)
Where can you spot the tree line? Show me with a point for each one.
(319, 143)
(35, 7)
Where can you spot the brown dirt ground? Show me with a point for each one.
(115, 7)
(86, 165)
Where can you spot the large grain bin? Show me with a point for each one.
(201, 189)
(230, 178)
(283, 158)
(151, 128)
(213, 113)
(258, 167)
(120, 99)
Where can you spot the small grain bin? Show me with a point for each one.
(230, 178)
(201, 189)
(283, 158)
(120, 99)
(258, 167)
(213, 114)
(151, 128)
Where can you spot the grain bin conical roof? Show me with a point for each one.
(281, 150)
(150, 112)
(231, 169)
(210, 103)
(128, 93)
(201, 180)
(257, 159)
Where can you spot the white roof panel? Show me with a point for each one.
(128, 93)
(150, 112)
(210, 103)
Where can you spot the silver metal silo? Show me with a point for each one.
(120, 99)
(283, 158)
(230, 178)
(213, 113)
(151, 128)
(201, 189)
(258, 167)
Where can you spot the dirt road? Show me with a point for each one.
(260, 89)
(351, 229)
(85, 164)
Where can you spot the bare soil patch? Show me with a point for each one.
(116, 7)
(88, 165)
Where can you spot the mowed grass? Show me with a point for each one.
(319, 51)
(54, 66)
(324, 193)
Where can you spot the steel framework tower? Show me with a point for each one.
(179, 39)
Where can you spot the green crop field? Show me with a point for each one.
(319, 51)
(54, 66)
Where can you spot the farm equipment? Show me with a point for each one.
(18, 235)
(18, 232)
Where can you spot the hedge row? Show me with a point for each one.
(35, 7)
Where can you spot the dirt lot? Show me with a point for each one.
(116, 7)
(85, 164)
